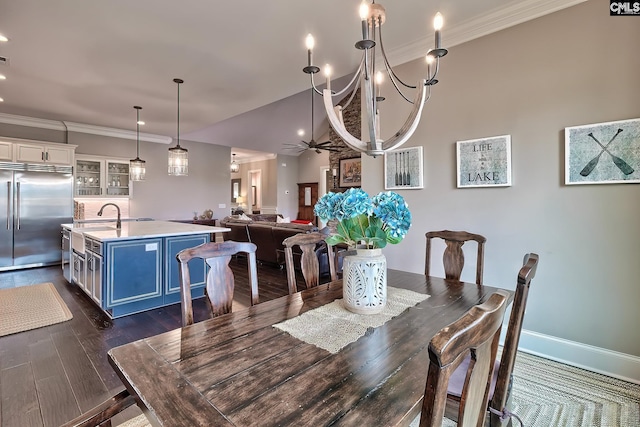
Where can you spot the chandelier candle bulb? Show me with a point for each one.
(429, 60)
(379, 80)
(364, 14)
(309, 42)
(327, 73)
(438, 22)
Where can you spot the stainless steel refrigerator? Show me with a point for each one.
(34, 201)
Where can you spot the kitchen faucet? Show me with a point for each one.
(118, 222)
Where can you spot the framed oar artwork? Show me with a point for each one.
(403, 169)
(603, 153)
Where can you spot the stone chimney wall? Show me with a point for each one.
(353, 123)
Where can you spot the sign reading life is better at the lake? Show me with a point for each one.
(484, 162)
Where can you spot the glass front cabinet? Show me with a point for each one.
(101, 177)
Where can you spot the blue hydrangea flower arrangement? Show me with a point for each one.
(363, 221)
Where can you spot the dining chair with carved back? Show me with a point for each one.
(309, 265)
(453, 256)
(220, 280)
(475, 334)
(501, 381)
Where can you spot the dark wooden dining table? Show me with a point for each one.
(238, 370)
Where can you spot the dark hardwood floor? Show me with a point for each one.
(52, 374)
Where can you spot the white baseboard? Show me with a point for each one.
(608, 362)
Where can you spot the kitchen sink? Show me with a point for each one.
(77, 235)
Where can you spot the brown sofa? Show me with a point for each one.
(265, 233)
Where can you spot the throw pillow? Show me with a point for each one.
(283, 220)
(244, 217)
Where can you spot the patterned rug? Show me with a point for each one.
(551, 394)
(30, 307)
(139, 421)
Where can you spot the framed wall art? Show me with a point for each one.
(484, 162)
(403, 169)
(350, 172)
(603, 153)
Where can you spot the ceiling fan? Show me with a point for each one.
(311, 144)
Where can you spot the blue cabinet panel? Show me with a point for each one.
(133, 271)
(197, 267)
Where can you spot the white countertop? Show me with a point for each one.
(106, 231)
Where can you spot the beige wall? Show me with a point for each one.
(268, 173)
(287, 185)
(574, 67)
(15, 131)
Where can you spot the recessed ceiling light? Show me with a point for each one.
(1, 100)
(3, 38)
(3, 77)
(141, 122)
(300, 132)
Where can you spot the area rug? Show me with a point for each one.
(30, 307)
(551, 394)
(139, 421)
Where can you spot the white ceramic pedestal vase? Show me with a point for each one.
(364, 281)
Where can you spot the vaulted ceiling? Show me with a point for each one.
(91, 61)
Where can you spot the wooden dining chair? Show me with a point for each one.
(308, 259)
(500, 387)
(453, 257)
(477, 334)
(220, 281)
(101, 415)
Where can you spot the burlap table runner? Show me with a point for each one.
(332, 326)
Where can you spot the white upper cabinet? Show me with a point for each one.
(6, 151)
(60, 154)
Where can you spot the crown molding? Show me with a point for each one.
(116, 133)
(63, 126)
(31, 122)
(258, 158)
(482, 25)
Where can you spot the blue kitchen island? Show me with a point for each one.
(134, 268)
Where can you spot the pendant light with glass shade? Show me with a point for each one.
(178, 156)
(137, 166)
(235, 167)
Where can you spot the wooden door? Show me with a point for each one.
(307, 198)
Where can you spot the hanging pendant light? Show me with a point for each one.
(178, 156)
(234, 166)
(137, 166)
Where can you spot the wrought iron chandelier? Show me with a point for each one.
(235, 167)
(373, 16)
(178, 156)
(137, 166)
